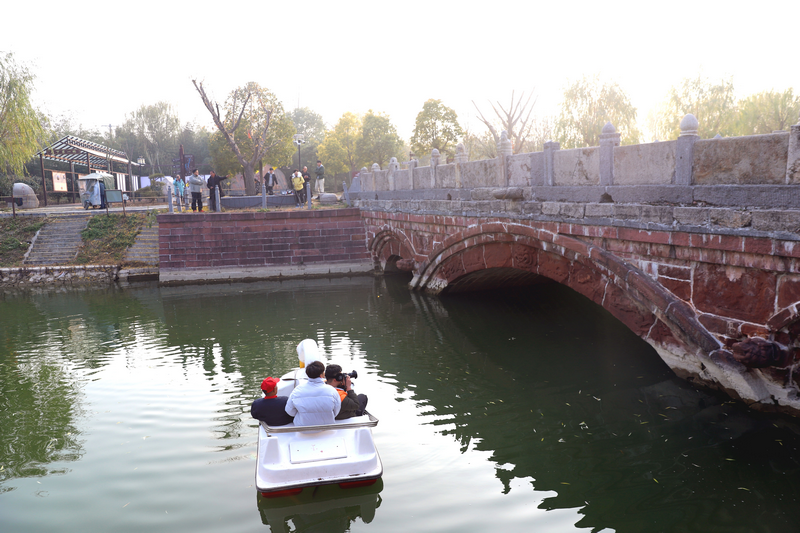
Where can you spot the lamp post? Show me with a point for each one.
(297, 139)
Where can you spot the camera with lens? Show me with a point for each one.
(340, 376)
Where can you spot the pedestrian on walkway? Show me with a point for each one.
(320, 172)
(299, 187)
(196, 188)
(180, 186)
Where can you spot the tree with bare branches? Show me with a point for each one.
(516, 120)
(252, 125)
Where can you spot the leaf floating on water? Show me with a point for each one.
(127, 504)
(744, 488)
(561, 440)
(564, 483)
(729, 459)
(662, 414)
(596, 398)
(569, 405)
(146, 437)
(654, 479)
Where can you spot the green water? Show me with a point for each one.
(526, 410)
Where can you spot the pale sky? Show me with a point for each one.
(100, 60)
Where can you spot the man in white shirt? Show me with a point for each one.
(315, 402)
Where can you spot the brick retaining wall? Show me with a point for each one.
(246, 240)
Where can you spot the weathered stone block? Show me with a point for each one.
(788, 221)
(519, 170)
(599, 210)
(627, 212)
(551, 208)
(741, 160)
(691, 216)
(657, 213)
(571, 210)
(580, 166)
(651, 164)
(446, 176)
(730, 218)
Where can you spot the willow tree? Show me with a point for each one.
(21, 130)
(713, 103)
(253, 125)
(586, 107)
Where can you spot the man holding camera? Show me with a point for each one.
(352, 404)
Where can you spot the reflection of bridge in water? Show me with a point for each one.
(689, 243)
(610, 432)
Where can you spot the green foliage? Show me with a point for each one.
(436, 127)
(21, 129)
(766, 112)
(311, 125)
(379, 141)
(151, 191)
(713, 104)
(587, 105)
(261, 109)
(17, 234)
(7, 183)
(152, 130)
(339, 149)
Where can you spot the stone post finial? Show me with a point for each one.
(375, 167)
(504, 146)
(435, 157)
(684, 150)
(461, 153)
(609, 138)
(364, 170)
(689, 125)
(393, 164)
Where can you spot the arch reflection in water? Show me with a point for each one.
(324, 508)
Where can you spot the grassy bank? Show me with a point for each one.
(15, 238)
(107, 237)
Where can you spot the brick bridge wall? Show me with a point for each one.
(718, 302)
(213, 246)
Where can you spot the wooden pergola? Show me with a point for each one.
(95, 157)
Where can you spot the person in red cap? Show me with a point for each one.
(271, 408)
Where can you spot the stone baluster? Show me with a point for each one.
(609, 138)
(684, 151)
(411, 164)
(550, 148)
(217, 207)
(169, 196)
(375, 169)
(461, 157)
(435, 157)
(263, 193)
(394, 166)
(793, 161)
(504, 150)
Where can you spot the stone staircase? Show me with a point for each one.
(58, 241)
(145, 249)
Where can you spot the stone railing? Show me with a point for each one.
(754, 163)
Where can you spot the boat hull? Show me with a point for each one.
(293, 457)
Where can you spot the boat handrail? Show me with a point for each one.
(372, 422)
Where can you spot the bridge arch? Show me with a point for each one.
(519, 252)
(389, 246)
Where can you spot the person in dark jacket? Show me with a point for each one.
(352, 404)
(215, 181)
(271, 408)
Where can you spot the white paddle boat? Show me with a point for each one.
(293, 457)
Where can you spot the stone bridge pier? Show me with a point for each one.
(705, 266)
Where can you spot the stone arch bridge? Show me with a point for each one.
(695, 246)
